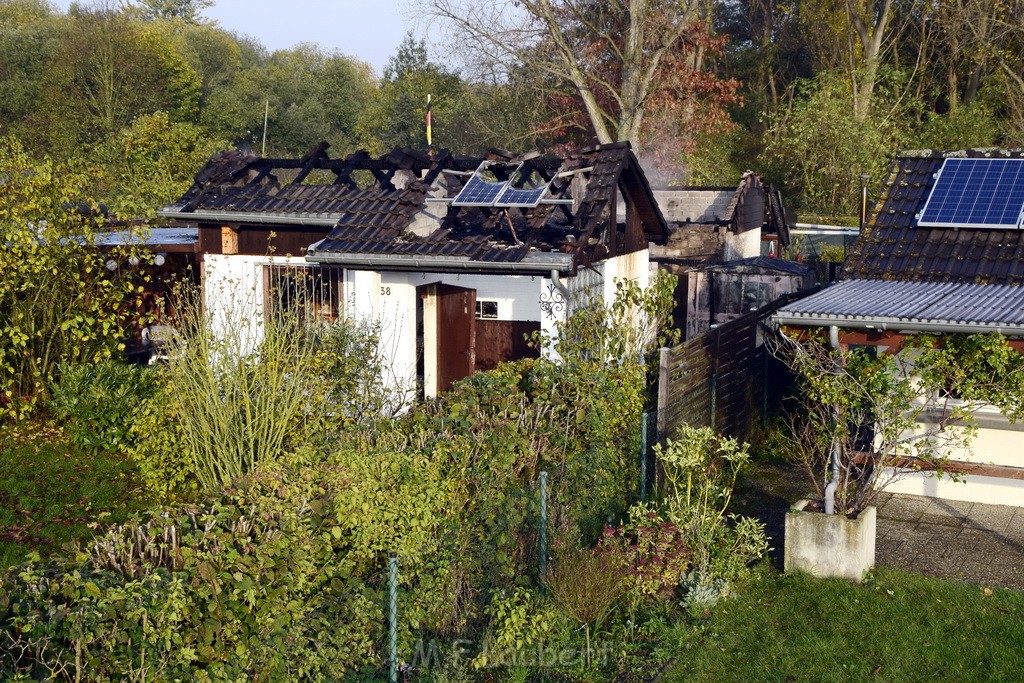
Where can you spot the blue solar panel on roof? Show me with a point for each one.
(478, 192)
(521, 197)
(976, 193)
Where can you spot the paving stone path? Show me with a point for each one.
(982, 544)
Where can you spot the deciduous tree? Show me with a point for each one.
(189, 11)
(397, 114)
(58, 301)
(621, 58)
(108, 70)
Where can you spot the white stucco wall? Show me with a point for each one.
(743, 245)
(973, 488)
(634, 266)
(390, 298)
(233, 288)
(996, 441)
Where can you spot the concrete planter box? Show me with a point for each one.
(829, 545)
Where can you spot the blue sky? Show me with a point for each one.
(367, 29)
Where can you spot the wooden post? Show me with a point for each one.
(228, 240)
(663, 393)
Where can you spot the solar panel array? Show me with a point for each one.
(521, 197)
(480, 192)
(976, 193)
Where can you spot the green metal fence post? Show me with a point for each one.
(644, 436)
(543, 524)
(714, 398)
(393, 618)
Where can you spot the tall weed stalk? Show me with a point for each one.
(231, 400)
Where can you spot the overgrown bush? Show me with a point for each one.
(227, 402)
(58, 303)
(97, 403)
(279, 578)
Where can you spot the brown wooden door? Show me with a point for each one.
(456, 334)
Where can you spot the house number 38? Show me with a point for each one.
(385, 291)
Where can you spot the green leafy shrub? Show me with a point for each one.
(350, 373)
(166, 466)
(58, 303)
(964, 127)
(495, 432)
(521, 620)
(98, 402)
(655, 550)
(687, 543)
(700, 470)
(259, 584)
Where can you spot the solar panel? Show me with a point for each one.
(478, 192)
(527, 197)
(481, 192)
(976, 193)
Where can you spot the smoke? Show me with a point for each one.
(662, 171)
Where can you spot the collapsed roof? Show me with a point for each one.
(750, 205)
(407, 209)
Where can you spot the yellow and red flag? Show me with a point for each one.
(429, 132)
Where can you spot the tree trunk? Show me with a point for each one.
(871, 31)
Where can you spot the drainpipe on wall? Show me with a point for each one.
(833, 483)
(864, 178)
(556, 280)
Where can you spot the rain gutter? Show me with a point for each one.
(883, 324)
(327, 220)
(535, 264)
(833, 483)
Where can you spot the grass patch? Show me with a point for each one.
(52, 494)
(894, 627)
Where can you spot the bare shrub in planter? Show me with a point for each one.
(863, 419)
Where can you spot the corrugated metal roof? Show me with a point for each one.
(153, 237)
(916, 306)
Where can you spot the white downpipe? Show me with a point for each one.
(556, 280)
(833, 483)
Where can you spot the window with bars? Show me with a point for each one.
(311, 293)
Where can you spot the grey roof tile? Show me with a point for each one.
(892, 248)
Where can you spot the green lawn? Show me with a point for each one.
(52, 494)
(895, 627)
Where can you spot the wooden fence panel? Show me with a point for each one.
(721, 378)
